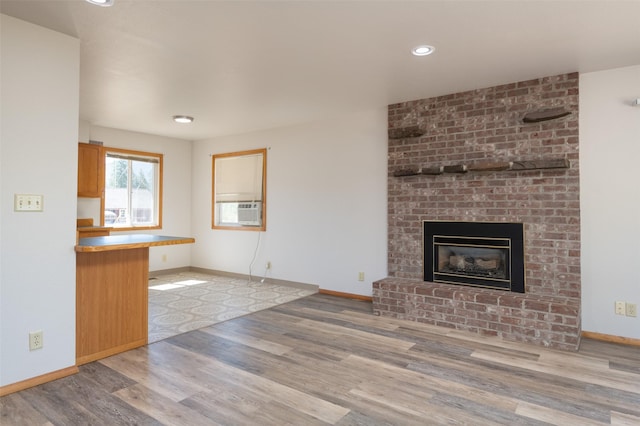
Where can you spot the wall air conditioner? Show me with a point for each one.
(250, 214)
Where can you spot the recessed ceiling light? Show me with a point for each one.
(423, 50)
(103, 3)
(182, 119)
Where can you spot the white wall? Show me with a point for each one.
(326, 194)
(610, 199)
(176, 192)
(326, 204)
(40, 75)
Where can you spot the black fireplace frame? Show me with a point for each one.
(514, 232)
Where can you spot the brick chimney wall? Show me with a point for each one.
(486, 126)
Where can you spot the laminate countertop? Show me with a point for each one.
(129, 241)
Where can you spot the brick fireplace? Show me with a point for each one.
(470, 157)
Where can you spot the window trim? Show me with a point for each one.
(240, 227)
(132, 153)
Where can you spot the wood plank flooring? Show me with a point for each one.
(323, 360)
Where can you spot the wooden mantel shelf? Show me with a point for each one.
(487, 166)
(125, 242)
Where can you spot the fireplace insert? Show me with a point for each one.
(480, 254)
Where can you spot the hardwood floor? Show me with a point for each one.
(326, 360)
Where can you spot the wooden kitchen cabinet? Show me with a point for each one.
(112, 293)
(90, 170)
(86, 229)
(111, 302)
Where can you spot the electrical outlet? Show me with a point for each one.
(35, 340)
(268, 265)
(632, 309)
(620, 308)
(164, 258)
(360, 276)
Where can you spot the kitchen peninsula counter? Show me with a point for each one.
(127, 242)
(112, 279)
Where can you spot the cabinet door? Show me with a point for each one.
(90, 170)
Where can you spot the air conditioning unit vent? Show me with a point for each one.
(250, 214)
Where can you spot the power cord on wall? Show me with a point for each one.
(267, 266)
(255, 253)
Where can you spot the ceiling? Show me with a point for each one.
(242, 66)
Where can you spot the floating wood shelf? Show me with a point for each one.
(406, 132)
(545, 115)
(557, 163)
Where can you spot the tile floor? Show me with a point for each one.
(187, 301)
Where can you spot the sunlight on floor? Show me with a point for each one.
(175, 285)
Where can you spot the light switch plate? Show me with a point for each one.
(27, 203)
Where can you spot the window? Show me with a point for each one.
(132, 190)
(239, 190)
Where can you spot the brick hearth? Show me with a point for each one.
(486, 126)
